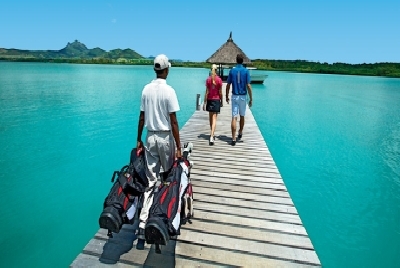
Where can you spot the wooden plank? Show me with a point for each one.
(236, 178)
(243, 189)
(251, 248)
(231, 218)
(244, 216)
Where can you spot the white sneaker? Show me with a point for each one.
(211, 140)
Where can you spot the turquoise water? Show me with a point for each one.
(336, 142)
(65, 128)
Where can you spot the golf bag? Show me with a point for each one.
(165, 213)
(121, 203)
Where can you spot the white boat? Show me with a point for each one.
(255, 77)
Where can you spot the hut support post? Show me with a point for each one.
(198, 102)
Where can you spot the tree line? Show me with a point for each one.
(371, 69)
(302, 66)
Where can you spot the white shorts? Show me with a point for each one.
(238, 105)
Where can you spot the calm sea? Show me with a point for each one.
(65, 128)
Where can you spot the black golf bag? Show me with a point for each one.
(120, 204)
(166, 212)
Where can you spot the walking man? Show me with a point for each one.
(239, 78)
(158, 109)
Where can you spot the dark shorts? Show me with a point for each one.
(213, 106)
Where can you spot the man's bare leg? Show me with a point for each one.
(241, 126)
(233, 128)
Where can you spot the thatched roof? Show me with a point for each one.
(226, 54)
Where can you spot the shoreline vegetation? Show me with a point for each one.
(78, 53)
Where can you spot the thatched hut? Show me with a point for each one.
(226, 54)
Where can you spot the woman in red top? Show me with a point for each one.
(213, 99)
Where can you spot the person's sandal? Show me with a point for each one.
(240, 136)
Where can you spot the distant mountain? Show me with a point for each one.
(71, 51)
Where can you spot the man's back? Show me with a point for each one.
(158, 101)
(239, 77)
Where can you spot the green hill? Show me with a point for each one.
(74, 50)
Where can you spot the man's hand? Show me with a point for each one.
(178, 153)
(250, 103)
(222, 103)
(139, 147)
(204, 107)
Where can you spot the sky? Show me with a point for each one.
(348, 31)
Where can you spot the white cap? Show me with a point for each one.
(161, 62)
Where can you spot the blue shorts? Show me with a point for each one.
(238, 105)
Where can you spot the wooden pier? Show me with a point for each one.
(244, 216)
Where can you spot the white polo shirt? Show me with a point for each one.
(158, 101)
